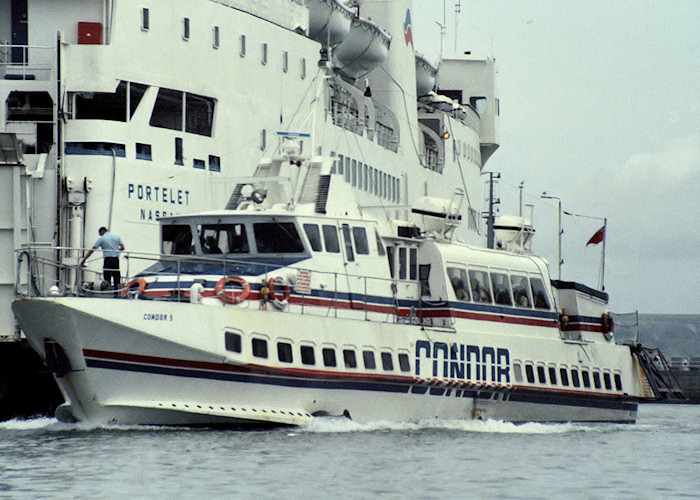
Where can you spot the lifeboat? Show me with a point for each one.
(435, 215)
(513, 233)
(365, 48)
(426, 75)
(329, 21)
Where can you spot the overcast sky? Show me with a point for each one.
(600, 106)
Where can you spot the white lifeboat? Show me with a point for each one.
(435, 215)
(426, 75)
(439, 102)
(513, 233)
(329, 21)
(365, 48)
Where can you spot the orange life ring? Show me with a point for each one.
(271, 295)
(142, 283)
(235, 298)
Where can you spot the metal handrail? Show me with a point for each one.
(43, 261)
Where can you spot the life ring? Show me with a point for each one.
(142, 283)
(280, 303)
(232, 299)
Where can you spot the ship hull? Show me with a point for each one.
(165, 363)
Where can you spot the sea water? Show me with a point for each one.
(658, 457)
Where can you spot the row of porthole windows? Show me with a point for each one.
(568, 376)
(367, 178)
(329, 354)
(216, 41)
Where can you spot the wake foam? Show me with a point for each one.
(340, 425)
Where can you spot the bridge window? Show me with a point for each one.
(360, 236)
(330, 239)
(284, 352)
(214, 163)
(277, 237)
(307, 355)
(177, 240)
(102, 105)
(223, 238)
(314, 236)
(349, 255)
(177, 110)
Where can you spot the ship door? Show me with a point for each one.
(18, 16)
(353, 277)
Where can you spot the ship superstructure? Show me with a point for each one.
(119, 113)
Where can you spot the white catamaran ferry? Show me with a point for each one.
(344, 272)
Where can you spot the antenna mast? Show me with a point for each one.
(458, 10)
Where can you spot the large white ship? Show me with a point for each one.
(123, 114)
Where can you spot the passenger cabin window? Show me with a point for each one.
(402, 263)
(501, 289)
(145, 22)
(177, 240)
(277, 237)
(606, 381)
(360, 236)
(330, 239)
(596, 380)
(564, 375)
(223, 238)
(186, 28)
(539, 294)
(387, 362)
(574, 378)
(413, 264)
(529, 373)
(460, 284)
(307, 355)
(314, 236)
(404, 363)
(259, 348)
(541, 377)
(618, 382)
(232, 341)
(215, 37)
(329, 356)
(349, 358)
(586, 378)
(284, 352)
(480, 286)
(368, 360)
(552, 375)
(521, 291)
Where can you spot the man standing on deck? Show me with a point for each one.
(111, 244)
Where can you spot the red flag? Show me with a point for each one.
(597, 237)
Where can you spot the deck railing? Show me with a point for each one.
(44, 270)
(26, 62)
